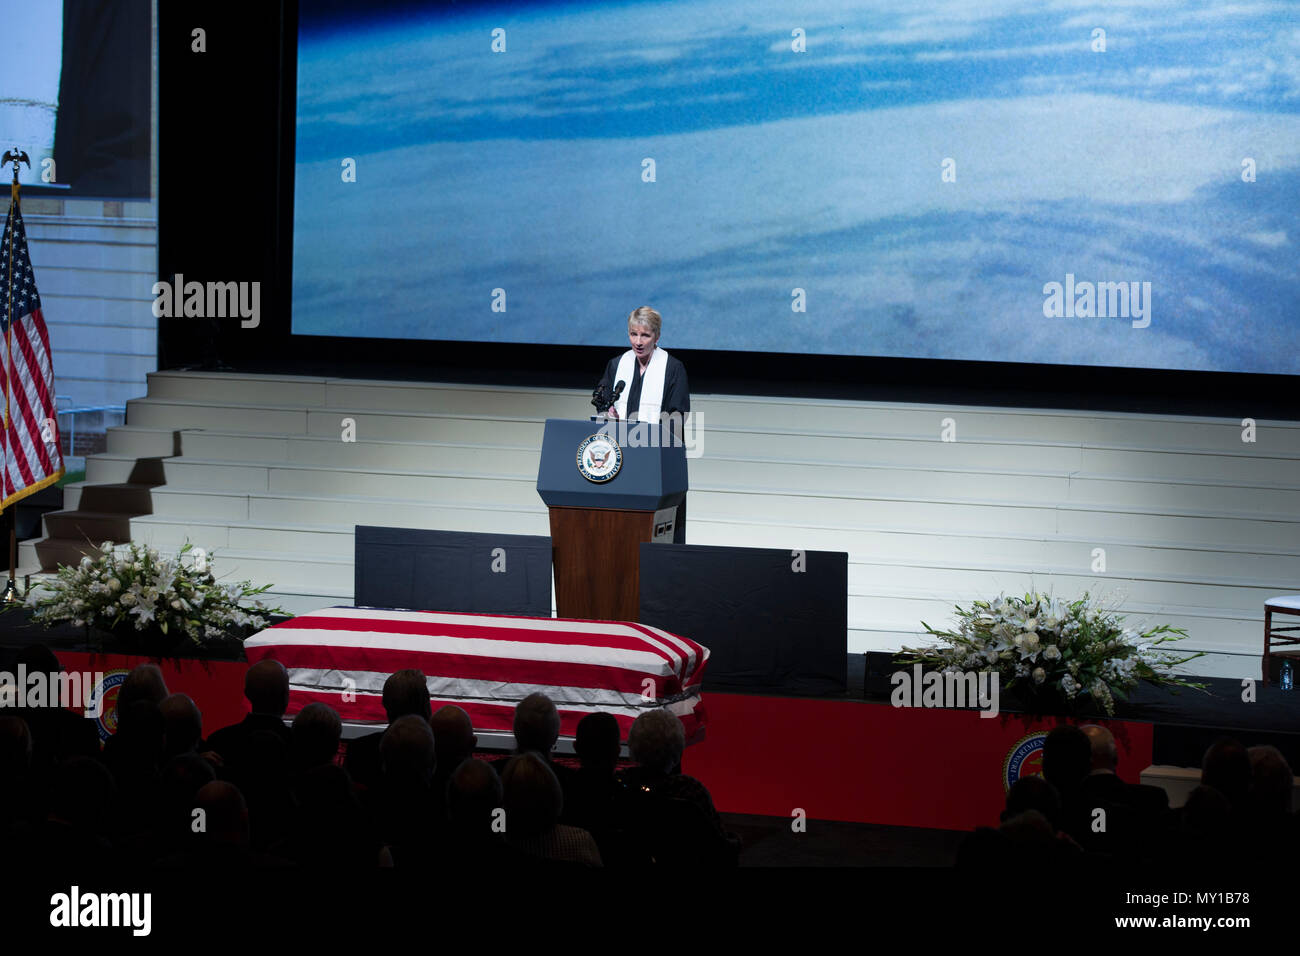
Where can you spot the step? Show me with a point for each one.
(137, 442)
(313, 480)
(981, 575)
(978, 518)
(1269, 532)
(721, 443)
(966, 584)
(1280, 439)
(83, 526)
(789, 414)
(111, 468)
(447, 477)
(49, 553)
(1023, 552)
(335, 540)
(1217, 630)
(297, 509)
(130, 498)
(403, 456)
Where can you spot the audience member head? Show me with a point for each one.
(81, 792)
(532, 795)
(1067, 758)
(453, 736)
(1030, 840)
(145, 682)
(473, 796)
(1207, 813)
(407, 692)
(316, 732)
(15, 749)
(656, 741)
(537, 725)
(1271, 780)
(1033, 793)
(1105, 755)
(1226, 768)
(38, 659)
(323, 792)
(266, 685)
(407, 751)
(183, 722)
(596, 741)
(1028, 827)
(225, 813)
(32, 659)
(141, 733)
(179, 780)
(266, 760)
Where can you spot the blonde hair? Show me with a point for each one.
(645, 316)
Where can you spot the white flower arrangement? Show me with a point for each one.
(1075, 648)
(138, 586)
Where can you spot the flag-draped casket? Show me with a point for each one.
(486, 664)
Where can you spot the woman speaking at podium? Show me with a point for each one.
(654, 382)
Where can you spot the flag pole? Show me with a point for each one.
(15, 156)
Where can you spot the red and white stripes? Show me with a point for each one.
(486, 664)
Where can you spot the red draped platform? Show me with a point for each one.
(848, 760)
(868, 762)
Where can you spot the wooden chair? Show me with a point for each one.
(1282, 636)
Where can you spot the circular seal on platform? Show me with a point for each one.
(1025, 759)
(105, 694)
(599, 458)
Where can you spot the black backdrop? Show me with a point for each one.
(772, 622)
(455, 571)
(225, 195)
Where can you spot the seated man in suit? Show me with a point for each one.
(55, 734)
(536, 729)
(656, 785)
(1103, 780)
(266, 685)
(1135, 814)
(406, 693)
(454, 743)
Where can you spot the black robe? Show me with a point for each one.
(677, 392)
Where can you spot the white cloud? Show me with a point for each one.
(1271, 239)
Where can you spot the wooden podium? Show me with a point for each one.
(597, 527)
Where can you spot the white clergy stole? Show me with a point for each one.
(652, 386)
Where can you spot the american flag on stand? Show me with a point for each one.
(486, 664)
(33, 456)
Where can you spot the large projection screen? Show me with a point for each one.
(1004, 182)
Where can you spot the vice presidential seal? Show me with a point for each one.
(599, 458)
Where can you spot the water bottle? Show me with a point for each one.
(1286, 679)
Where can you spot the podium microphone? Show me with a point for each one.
(618, 390)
